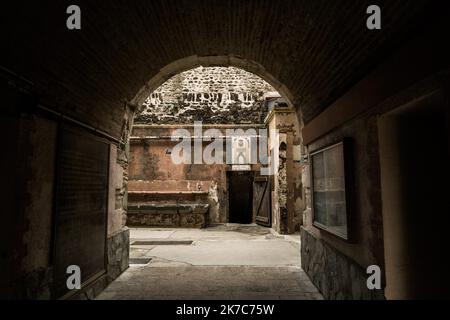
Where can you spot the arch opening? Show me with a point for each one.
(225, 118)
(236, 108)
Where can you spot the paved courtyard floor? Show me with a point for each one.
(223, 262)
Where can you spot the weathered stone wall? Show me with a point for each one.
(117, 184)
(208, 94)
(287, 195)
(181, 213)
(335, 275)
(118, 235)
(118, 247)
(153, 171)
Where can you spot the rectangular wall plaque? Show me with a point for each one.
(329, 194)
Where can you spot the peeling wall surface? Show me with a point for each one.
(287, 196)
(153, 172)
(208, 94)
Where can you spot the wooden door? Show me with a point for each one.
(261, 201)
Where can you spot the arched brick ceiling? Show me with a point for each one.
(316, 48)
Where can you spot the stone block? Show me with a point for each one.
(188, 215)
(335, 275)
(117, 246)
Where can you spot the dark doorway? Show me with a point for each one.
(414, 154)
(241, 195)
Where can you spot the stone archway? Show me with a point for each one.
(188, 63)
(136, 202)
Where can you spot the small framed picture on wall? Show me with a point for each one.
(329, 188)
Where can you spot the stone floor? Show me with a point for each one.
(223, 262)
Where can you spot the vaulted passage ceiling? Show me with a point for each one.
(317, 49)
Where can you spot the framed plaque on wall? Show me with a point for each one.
(329, 189)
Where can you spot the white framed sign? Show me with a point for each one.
(240, 151)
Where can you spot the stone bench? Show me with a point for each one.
(152, 196)
(185, 215)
